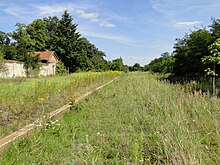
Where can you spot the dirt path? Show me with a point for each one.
(13, 136)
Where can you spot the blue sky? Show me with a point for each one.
(136, 30)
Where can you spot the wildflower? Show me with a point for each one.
(98, 133)
(52, 122)
(41, 99)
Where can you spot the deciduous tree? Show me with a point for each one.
(213, 59)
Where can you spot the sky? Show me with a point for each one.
(138, 31)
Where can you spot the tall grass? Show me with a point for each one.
(197, 83)
(136, 120)
(24, 100)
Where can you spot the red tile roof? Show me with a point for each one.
(45, 55)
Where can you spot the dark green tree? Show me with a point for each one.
(38, 34)
(65, 42)
(2, 64)
(23, 43)
(6, 47)
(136, 67)
(215, 29)
(117, 64)
(60, 68)
(164, 64)
(189, 51)
(51, 28)
(32, 65)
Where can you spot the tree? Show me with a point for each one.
(32, 65)
(95, 58)
(136, 67)
(213, 59)
(65, 42)
(59, 35)
(38, 34)
(51, 28)
(189, 51)
(23, 43)
(117, 64)
(2, 64)
(164, 64)
(6, 47)
(60, 68)
(215, 29)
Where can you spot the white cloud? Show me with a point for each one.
(16, 11)
(40, 10)
(50, 10)
(94, 17)
(187, 23)
(107, 24)
(120, 39)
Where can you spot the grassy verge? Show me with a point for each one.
(135, 120)
(196, 84)
(24, 100)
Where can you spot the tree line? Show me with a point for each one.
(75, 52)
(193, 54)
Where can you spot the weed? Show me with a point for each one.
(135, 120)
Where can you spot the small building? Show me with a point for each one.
(49, 60)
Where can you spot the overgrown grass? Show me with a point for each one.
(135, 120)
(196, 84)
(23, 100)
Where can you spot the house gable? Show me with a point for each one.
(47, 56)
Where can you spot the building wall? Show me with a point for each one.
(16, 69)
(13, 69)
(47, 69)
(52, 59)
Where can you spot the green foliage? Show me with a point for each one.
(38, 33)
(213, 59)
(23, 40)
(7, 48)
(210, 72)
(2, 65)
(65, 42)
(215, 29)
(215, 53)
(117, 65)
(189, 51)
(60, 68)
(136, 67)
(164, 64)
(32, 65)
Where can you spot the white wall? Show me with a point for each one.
(16, 69)
(47, 69)
(13, 69)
